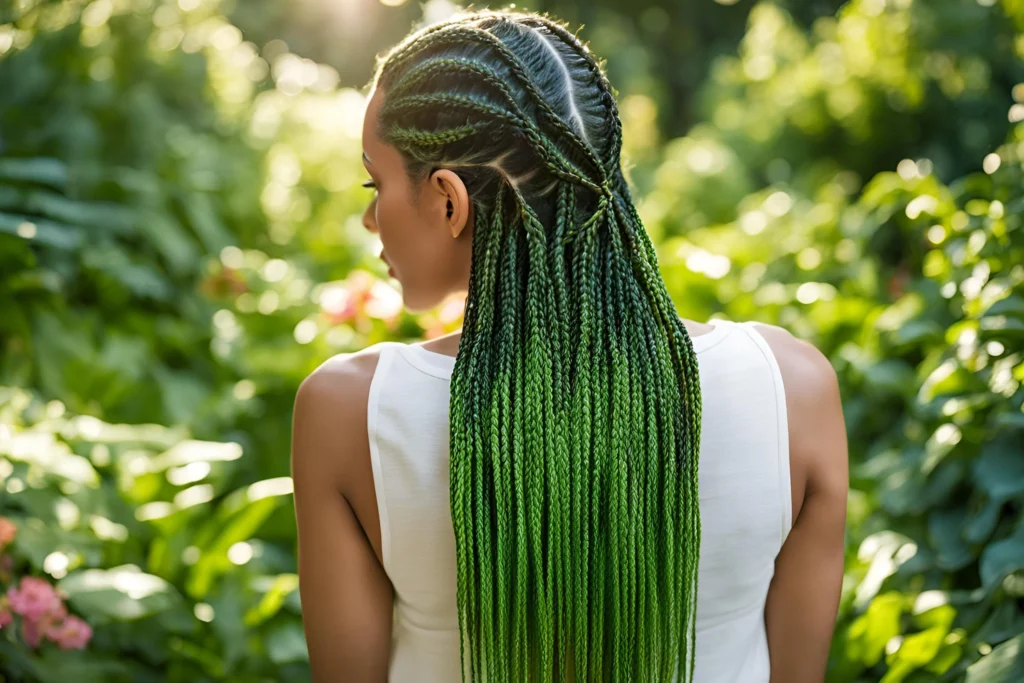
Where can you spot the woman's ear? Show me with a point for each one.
(451, 199)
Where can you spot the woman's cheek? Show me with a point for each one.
(386, 225)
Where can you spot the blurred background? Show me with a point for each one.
(180, 244)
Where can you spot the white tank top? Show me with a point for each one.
(745, 504)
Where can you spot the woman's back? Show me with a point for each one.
(745, 503)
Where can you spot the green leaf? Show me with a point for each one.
(920, 648)
(282, 586)
(948, 656)
(943, 482)
(1004, 622)
(122, 593)
(104, 216)
(940, 616)
(999, 470)
(1009, 420)
(206, 222)
(1005, 664)
(55, 666)
(1012, 305)
(1001, 559)
(142, 280)
(1001, 327)
(902, 491)
(229, 624)
(191, 450)
(183, 394)
(944, 527)
(171, 241)
(898, 673)
(41, 170)
(287, 643)
(40, 231)
(891, 375)
(948, 378)
(39, 540)
(877, 626)
(917, 332)
(981, 524)
(239, 526)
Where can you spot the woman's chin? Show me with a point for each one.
(416, 302)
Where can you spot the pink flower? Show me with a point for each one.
(31, 633)
(36, 600)
(71, 634)
(5, 618)
(7, 531)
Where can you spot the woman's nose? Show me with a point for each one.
(370, 217)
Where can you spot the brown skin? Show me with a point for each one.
(426, 231)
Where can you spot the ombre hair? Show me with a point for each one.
(575, 398)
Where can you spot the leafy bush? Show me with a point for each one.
(914, 286)
(152, 546)
(173, 265)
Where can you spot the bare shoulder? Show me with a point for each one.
(329, 418)
(807, 373)
(817, 430)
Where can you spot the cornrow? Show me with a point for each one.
(575, 398)
(516, 67)
(600, 80)
(556, 162)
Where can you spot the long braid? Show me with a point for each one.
(598, 460)
(575, 397)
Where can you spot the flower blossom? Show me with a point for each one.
(71, 634)
(36, 600)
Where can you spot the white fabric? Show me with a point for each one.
(745, 504)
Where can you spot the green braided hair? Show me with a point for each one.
(575, 398)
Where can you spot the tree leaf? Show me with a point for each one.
(1005, 664)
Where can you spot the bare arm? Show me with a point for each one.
(345, 593)
(804, 595)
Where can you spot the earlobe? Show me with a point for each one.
(454, 226)
(459, 219)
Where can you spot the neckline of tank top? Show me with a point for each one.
(441, 364)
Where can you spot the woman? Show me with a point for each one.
(521, 501)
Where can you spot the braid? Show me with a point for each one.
(517, 69)
(555, 161)
(599, 79)
(575, 397)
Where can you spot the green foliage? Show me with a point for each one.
(150, 540)
(912, 284)
(180, 245)
(172, 264)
